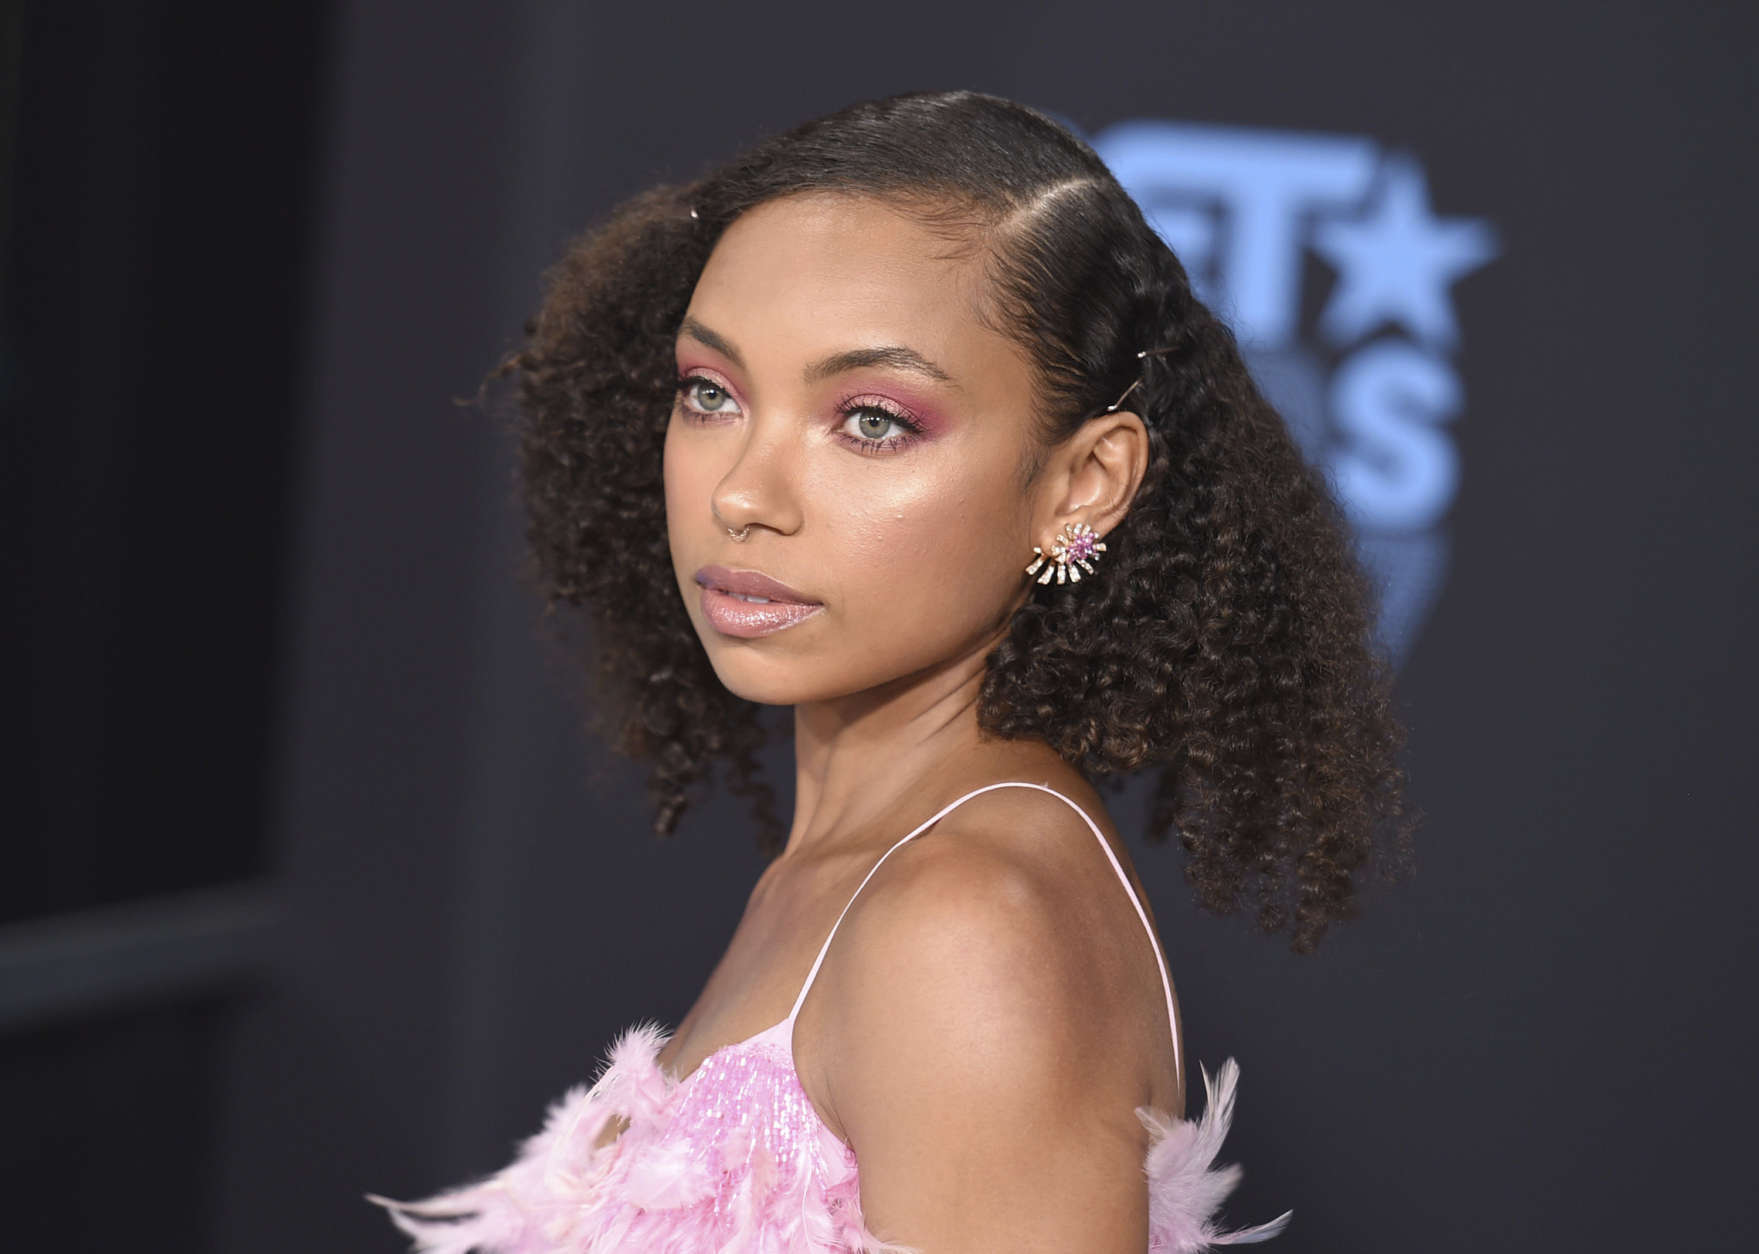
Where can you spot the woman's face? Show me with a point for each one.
(840, 398)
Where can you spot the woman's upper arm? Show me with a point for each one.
(968, 1073)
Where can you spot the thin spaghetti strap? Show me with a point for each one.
(920, 828)
(1160, 962)
(1166, 982)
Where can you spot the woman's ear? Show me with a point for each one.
(1092, 476)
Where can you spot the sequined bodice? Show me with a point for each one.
(754, 1083)
(734, 1159)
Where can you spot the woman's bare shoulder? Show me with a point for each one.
(1003, 926)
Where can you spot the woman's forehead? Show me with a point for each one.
(820, 272)
(869, 226)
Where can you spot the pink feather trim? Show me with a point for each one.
(647, 1191)
(1184, 1186)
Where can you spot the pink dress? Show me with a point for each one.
(733, 1158)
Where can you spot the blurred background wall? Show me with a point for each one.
(313, 886)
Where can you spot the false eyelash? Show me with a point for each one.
(912, 428)
(684, 386)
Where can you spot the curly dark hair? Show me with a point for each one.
(1227, 643)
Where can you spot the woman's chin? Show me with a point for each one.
(778, 680)
(762, 681)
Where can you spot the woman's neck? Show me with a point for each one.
(859, 759)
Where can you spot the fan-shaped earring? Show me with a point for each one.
(1070, 554)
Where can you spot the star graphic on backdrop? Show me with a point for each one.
(1396, 261)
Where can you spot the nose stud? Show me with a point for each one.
(741, 533)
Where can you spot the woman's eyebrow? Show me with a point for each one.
(891, 355)
(852, 359)
(702, 335)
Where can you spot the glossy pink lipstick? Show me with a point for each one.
(746, 603)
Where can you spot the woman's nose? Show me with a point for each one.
(760, 487)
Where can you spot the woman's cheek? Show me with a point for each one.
(669, 466)
(684, 504)
(683, 473)
(908, 540)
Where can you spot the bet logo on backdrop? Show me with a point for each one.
(1324, 255)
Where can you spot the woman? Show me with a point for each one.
(907, 420)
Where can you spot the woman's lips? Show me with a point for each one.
(733, 617)
(751, 583)
(727, 603)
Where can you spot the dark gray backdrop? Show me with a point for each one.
(1542, 1042)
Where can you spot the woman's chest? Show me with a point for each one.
(755, 981)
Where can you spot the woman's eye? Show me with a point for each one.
(865, 429)
(707, 396)
(872, 424)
